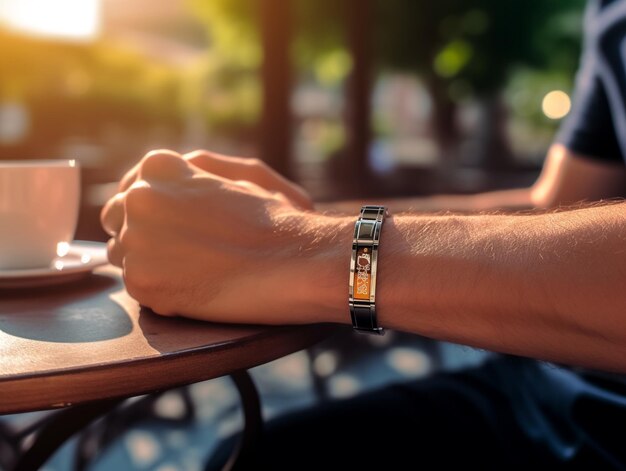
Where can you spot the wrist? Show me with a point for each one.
(318, 268)
(319, 272)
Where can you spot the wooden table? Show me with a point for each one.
(89, 344)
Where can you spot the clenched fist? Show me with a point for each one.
(235, 246)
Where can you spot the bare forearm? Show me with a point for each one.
(548, 286)
(519, 198)
(567, 178)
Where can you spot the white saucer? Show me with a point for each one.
(81, 258)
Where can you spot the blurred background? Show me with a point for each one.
(411, 95)
(350, 98)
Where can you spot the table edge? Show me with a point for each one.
(22, 393)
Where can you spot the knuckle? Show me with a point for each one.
(254, 169)
(111, 209)
(280, 196)
(139, 200)
(157, 162)
(196, 155)
(104, 216)
(256, 163)
(129, 239)
(160, 154)
(115, 252)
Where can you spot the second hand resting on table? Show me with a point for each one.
(229, 240)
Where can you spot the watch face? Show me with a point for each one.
(363, 273)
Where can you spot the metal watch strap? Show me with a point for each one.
(363, 267)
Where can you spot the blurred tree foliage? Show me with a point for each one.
(232, 93)
(108, 76)
(318, 45)
(75, 89)
(469, 45)
(466, 49)
(460, 48)
(473, 46)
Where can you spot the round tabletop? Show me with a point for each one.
(90, 340)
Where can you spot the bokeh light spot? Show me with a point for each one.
(143, 447)
(556, 104)
(325, 363)
(408, 361)
(344, 385)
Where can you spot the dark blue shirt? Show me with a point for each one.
(596, 126)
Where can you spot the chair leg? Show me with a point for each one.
(56, 430)
(242, 455)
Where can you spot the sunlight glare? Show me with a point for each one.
(63, 248)
(70, 19)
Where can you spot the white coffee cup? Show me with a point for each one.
(39, 202)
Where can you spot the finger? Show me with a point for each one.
(252, 170)
(163, 166)
(115, 252)
(297, 196)
(112, 215)
(133, 174)
(128, 179)
(232, 168)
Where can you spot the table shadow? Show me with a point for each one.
(74, 313)
(166, 334)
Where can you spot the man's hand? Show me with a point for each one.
(234, 168)
(197, 244)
